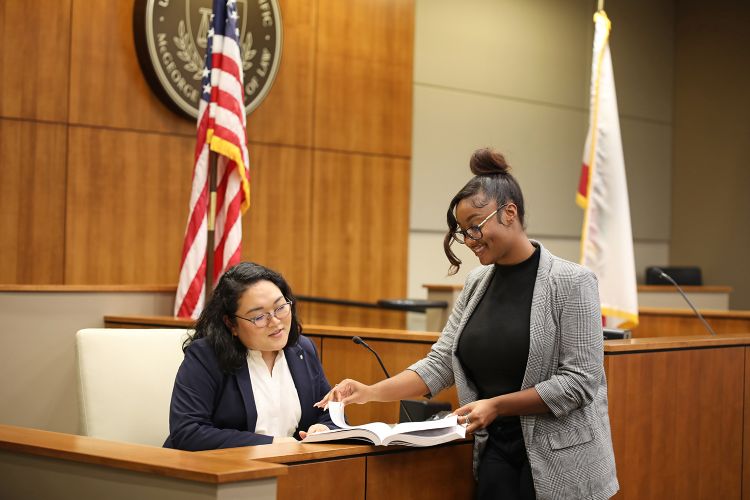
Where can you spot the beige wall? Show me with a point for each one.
(515, 75)
(38, 358)
(711, 205)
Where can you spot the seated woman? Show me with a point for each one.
(249, 377)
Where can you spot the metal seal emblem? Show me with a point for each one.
(171, 37)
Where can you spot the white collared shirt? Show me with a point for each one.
(276, 398)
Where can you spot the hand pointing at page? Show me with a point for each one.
(406, 384)
(347, 391)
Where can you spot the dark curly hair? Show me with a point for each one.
(492, 178)
(230, 351)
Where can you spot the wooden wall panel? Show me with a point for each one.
(323, 314)
(746, 432)
(32, 202)
(276, 229)
(334, 223)
(447, 471)
(34, 54)
(360, 229)
(344, 479)
(128, 196)
(286, 115)
(663, 324)
(678, 438)
(107, 87)
(342, 359)
(363, 90)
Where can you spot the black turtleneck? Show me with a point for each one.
(494, 345)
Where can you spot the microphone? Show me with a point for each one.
(665, 276)
(358, 340)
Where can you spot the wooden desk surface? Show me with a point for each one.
(325, 330)
(441, 287)
(287, 453)
(134, 457)
(672, 343)
(707, 313)
(686, 288)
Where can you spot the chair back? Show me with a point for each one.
(125, 381)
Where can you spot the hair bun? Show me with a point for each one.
(487, 161)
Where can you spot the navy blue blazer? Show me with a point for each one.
(211, 409)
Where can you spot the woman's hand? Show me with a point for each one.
(477, 415)
(347, 391)
(313, 429)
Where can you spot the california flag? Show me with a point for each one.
(607, 239)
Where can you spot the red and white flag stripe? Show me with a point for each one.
(221, 128)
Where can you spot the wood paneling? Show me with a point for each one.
(277, 228)
(128, 196)
(286, 115)
(344, 479)
(443, 472)
(360, 229)
(335, 224)
(322, 314)
(363, 76)
(344, 359)
(32, 201)
(746, 432)
(318, 341)
(107, 87)
(654, 322)
(136, 457)
(34, 58)
(677, 419)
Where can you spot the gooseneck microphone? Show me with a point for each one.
(667, 277)
(358, 340)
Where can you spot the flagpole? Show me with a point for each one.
(212, 161)
(601, 6)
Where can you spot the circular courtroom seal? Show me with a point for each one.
(171, 38)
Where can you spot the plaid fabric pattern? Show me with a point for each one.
(570, 449)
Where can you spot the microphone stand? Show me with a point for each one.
(667, 277)
(358, 340)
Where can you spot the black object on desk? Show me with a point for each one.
(421, 410)
(412, 305)
(616, 333)
(683, 275)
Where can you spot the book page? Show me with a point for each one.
(336, 411)
(404, 427)
(429, 437)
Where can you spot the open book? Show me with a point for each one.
(427, 433)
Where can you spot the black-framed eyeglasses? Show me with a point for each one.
(474, 232)
(262, 320)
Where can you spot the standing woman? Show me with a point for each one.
(249, 377)
(523, 345)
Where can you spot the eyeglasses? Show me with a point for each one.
(474, 232)
(262, 320)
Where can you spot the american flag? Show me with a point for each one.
(221, 128)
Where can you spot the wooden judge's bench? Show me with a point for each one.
(679, 405)
(679, 408)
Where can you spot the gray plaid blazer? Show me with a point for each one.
(569, 449)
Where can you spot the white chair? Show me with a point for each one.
(125, 380)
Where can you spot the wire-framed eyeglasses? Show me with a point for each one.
(262, 320)
(474, 232)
